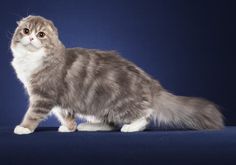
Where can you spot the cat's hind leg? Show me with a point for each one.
(94, 127)
(68, 123)
(136, 125)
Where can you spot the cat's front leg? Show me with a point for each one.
(37, 111)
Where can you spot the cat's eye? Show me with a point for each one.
(26, 31)
(41, 34)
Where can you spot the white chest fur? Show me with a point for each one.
(26, 63)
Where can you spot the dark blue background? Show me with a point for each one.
(188, 45)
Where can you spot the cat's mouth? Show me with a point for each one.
(31, 47)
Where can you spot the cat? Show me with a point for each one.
(107, 90)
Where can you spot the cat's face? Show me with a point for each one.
(35, 33)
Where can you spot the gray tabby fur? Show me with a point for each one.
(102, 84)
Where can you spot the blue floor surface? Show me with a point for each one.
(152, 147)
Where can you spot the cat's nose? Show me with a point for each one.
(31, 38)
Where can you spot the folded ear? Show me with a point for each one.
(20, 21)
(23, 19)
(52, 27)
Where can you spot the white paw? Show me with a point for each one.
(130, 128)
(63, 128)
(22, 130)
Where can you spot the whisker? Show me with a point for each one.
(9, 35)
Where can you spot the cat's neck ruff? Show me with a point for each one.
(26, 63)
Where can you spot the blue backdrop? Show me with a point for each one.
(188, 45)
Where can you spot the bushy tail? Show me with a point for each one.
(186, 112)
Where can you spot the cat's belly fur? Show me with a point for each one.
(56, 111)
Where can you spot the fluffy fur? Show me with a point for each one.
(100, 86)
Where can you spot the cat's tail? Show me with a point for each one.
(186, 112)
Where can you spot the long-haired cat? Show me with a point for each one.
(100, 86)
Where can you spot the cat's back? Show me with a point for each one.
(102, 64)
(102, 60)
(94, 55)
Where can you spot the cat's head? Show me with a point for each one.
(35, 33)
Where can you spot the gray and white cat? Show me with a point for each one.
(100, 86)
